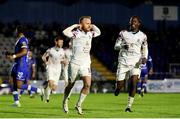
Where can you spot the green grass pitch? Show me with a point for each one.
(95, 106)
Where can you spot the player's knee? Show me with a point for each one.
(135, 79)
(120, 84)
(19, 84)
(54, 88)
(135, 76)
(134, 85)
(87, 86)
(50, 85)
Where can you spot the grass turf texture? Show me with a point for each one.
(95, 106)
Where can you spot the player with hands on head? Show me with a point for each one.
(81, 35)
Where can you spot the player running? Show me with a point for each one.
(130, 43)
(53, 58)
(19, 70)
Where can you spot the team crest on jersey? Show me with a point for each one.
(90, 37)
(24, 43)
(131, 45)
(139, 41)
(87, 44)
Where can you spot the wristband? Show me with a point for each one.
(14, 56)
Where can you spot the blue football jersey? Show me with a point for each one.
(20, 68)
(21, 43)
(31, 61)
(146, 67)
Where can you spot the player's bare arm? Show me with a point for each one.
(17, 55)
(144, 51)
(64, 61)
(45, 57)
(33, 71)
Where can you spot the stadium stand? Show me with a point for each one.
(163, 46)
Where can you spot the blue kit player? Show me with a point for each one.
(31, 72)
(146, 69)
(19, 70)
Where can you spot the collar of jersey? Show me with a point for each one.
(134, 32)
(83, 31)
(56, 48)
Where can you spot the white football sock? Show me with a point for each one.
(81, 99)
(130, 101)
(47, 92)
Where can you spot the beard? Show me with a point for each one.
(86, 29)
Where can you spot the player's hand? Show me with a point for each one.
(91, 26)
(65, 62)
(10, 57)
(79, 26)
(126, 46)
(150, 72)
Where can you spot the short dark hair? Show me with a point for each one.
(58, 38)
(137, 17)
(21, 29)
(82, 17)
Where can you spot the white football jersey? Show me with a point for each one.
(56, 55)
(81, 43)
(81, 46)
(137, 47)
